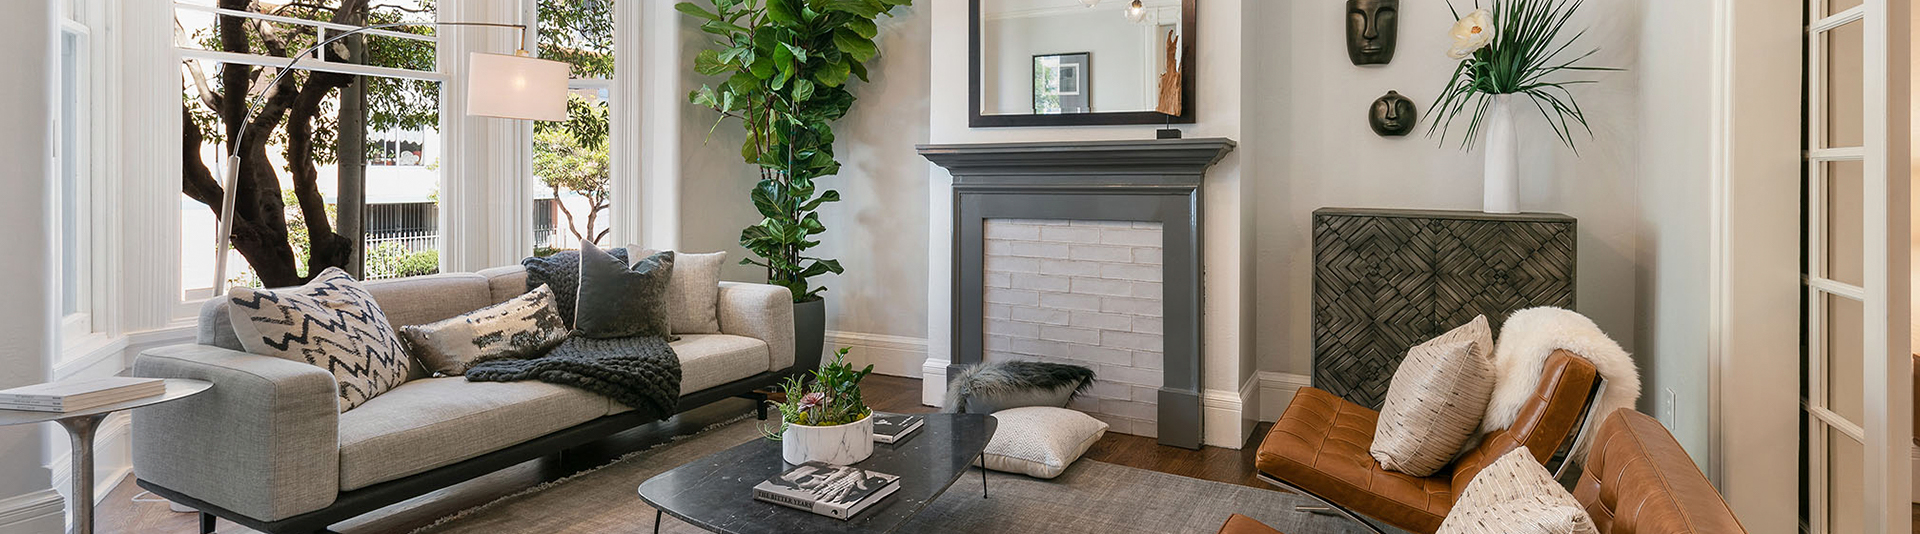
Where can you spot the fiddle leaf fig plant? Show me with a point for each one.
(787, 63)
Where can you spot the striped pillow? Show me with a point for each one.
(1516, 494)
(1436, 400)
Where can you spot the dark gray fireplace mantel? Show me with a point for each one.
(1146, 180)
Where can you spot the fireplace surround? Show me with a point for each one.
(1145, 181)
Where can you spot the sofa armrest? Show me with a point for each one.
(263, 442)
(760, 311)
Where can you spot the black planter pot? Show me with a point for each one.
(809, 334)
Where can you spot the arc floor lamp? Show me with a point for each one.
(517, 86)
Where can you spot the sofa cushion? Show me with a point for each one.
(523, 327)
(1516, 494)
(561, 271)
(505, 283)
(1435, 400)
(621, 300)
(708, 360)
(435, 422)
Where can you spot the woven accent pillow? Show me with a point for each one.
(524, 327)
(331, 322)
(1516, 494)
(1436, 400)
(1040, 441)
(693, 295)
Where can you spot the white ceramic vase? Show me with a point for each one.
(1501, 192)
(846, 444)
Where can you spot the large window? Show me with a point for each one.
(342, 152)
(75, 178)
(571, 161)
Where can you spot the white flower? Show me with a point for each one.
(1472, 33)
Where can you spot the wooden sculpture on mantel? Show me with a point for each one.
(1170, 89)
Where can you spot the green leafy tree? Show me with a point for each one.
(787, 64)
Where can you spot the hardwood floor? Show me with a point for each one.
(121, 512)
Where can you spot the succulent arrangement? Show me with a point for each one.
(831, 398)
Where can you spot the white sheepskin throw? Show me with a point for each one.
(1520, 355)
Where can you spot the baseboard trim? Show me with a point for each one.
(34, 513)
(112, 457)
(889, 355)
(1915, 459)
(1276, 391)
(1224, 420)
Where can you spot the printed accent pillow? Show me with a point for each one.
(693, 296)
(1040, 441)
(1436, 400)
(1516, 494)
(560, 271)
(331, 322)
(616, 300)
(524, 327)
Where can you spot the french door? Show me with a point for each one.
(1856, 393)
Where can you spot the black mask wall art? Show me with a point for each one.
(1373, 27)
(1393, 115)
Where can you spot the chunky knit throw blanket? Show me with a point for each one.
(640, 372)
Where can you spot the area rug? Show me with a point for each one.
(1091, 497)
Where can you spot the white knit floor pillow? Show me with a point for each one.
(1435, 400)
(1516, 494)
(1040, 441)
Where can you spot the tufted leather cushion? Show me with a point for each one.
(1320, 445)
(1639, 481)
(1240, 524)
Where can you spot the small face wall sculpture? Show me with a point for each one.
(1373, 27)
(1393, 115)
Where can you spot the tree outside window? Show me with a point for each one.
(571, 159)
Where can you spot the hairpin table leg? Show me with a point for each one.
(656, 521)
(983, 478)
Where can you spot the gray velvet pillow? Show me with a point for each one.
(620, 301)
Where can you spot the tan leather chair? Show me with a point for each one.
(1319, 448)
(1637, 481)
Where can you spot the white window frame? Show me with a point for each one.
(82, 94)
(189, 299)
(606, 86)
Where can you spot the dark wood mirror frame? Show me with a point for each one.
(1188, 87)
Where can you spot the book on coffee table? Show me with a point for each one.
(835, 491)
(79, 395)
(893, 427)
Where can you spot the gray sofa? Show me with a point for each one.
(266, 447)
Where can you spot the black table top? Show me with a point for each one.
(716, 492)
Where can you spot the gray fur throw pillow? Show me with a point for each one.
(620, 301)
(995, 386)
(524, 327)
(561, 272)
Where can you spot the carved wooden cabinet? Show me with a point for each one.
(1386, 280)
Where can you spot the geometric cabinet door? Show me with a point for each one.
(1386, 280)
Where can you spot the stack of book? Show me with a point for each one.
(79, 395)
(835, 491)
(892, 428)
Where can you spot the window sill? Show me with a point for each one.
(87, 352)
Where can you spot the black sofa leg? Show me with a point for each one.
(206, 523)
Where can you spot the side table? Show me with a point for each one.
(81, 424)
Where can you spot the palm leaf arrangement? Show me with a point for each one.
(1514, 47)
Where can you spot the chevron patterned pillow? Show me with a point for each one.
(331, 322)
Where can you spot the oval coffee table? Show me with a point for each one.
(716, 492)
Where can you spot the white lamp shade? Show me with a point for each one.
(516, 87)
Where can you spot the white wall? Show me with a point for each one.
(1674, 279)
(26, 323)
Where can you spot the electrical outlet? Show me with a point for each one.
(1669, 407)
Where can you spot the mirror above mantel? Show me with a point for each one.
(1081, 62)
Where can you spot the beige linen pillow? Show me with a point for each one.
(332, 323)
(526, 326)
(693, 295)
(1040, 441)
(1436, 400)
(1516, 494)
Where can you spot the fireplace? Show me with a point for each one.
(1132, 188)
